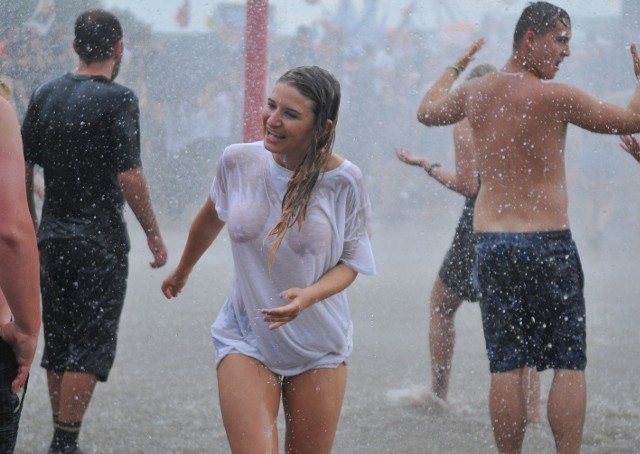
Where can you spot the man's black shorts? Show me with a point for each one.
(83, 289)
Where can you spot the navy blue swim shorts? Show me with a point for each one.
(532, 300)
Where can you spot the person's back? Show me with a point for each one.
(520, 123)
(528, 268)
(520, 142)
(82, 129)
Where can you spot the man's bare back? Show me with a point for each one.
(519, 126)
(520, 148)
(527, 262)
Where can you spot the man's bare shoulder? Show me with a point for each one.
(562, 91)
(558, 87)
(556, 96)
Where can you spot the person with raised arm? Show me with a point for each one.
(529, 272)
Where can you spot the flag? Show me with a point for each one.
(42, 17)
(183, 15)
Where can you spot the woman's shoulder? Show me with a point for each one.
(239, 153)
(339, 165)
(334, 161)
(344, 175)
(245, 148)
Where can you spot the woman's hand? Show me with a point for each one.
(409, 158)
(284, 314)
(173, 283)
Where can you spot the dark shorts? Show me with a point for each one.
(83, 289)
(456, 269)
(532, 300)
(10, 404)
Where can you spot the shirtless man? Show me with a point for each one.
(529, 272)
(19, 280)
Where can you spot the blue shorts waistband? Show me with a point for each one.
(516, 238)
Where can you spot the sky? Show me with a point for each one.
(289, 14)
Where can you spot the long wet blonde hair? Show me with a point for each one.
(319, 86)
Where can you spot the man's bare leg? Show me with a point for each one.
(69, 394)
(531, 392)
(508, 411)
(566, 409)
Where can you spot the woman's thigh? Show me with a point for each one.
(312, 402)
(249, 401)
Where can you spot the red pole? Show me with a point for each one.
(255, 67)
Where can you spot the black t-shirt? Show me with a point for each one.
(83, 131)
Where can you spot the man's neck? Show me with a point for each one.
(519, 65)
(101, 68)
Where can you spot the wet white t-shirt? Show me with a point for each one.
(247, 192)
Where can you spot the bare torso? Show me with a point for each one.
(520, 154)
(519, 126)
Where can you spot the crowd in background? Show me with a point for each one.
(190, 89)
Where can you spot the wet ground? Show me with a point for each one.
(162, 394)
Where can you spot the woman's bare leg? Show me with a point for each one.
(249, 401)
(442, 335)
(312, 403)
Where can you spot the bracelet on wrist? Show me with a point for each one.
(431, 167)
(457, 69)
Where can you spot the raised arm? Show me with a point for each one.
(465, 180)
(136, 193)
(587, 112)
(439, 106)
(19, 271)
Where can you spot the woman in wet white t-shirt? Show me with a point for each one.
(296, 215)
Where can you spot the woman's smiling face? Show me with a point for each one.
(288, 122)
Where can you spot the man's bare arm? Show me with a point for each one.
(136, 193)
(587, 112)
(438, 107)
(19, 270)
(631, 145)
